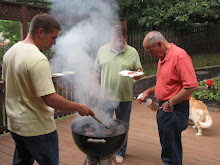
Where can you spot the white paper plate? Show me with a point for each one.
(58, 74)
(68, 72)
(130, 73)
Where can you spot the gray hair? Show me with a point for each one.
(154, 37)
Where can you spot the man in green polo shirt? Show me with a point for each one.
(117, 90)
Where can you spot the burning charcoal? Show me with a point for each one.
(107, 132)
(90, 133)
(78, 130)
(89, 129)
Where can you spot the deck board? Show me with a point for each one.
(143, 142)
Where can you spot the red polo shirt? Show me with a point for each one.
(174, 72)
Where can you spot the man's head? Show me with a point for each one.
(118, 37)
(44, 29)
(156, 44)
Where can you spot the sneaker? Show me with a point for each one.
(119, 159)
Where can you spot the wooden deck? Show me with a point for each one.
(143, 144)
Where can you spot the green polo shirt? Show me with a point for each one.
(108, 64)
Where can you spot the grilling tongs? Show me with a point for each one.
(100, 121)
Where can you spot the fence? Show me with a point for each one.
(201, 38)
(63, 88)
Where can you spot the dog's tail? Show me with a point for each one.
(207, 123)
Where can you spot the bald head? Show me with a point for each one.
(153, 37)
(155, 43)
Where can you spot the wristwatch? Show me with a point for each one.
(169, 103)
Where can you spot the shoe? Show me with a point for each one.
(119, 159)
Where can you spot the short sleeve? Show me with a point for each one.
(187, 72)
(97, 66)
(137, 63)
(42, 79)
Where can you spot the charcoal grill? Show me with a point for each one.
(100, 147)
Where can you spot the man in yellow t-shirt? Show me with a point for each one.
(31, 97)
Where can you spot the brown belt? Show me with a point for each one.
(181, 103)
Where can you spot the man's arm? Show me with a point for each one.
(60, 103)
(182, 95)
(149, 91)
(96, 77)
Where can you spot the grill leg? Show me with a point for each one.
(91, 161)
(85, 162)
(113, 157)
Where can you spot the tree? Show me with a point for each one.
(10, 30)
(145, 15)
(46, 3)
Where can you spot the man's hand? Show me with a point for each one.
(146, 94)
(142, 97)
(166, 108)
(138, 77)
(84, 110)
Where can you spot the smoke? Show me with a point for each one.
(86, 27)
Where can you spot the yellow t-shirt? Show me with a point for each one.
(27, 75)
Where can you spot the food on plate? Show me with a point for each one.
(132, 72)
(58, 74)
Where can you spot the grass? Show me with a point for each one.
(150, 69)
(199, 61)
(206, 59)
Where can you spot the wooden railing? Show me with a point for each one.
(66, 89)
(3, 117)
(63, 88)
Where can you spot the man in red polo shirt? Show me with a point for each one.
(176, 81)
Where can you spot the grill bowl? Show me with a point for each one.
(100, 146)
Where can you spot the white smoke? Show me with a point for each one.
(87, 26)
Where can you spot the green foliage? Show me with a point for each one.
(160, 14)
(10, 30)
(3, 49)
(207, 95)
